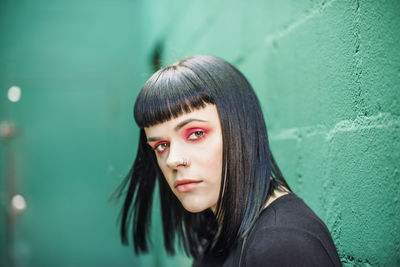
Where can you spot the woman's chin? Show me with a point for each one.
(195, 207)
(196, 203)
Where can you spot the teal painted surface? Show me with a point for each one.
(327, 74)
(80, 65)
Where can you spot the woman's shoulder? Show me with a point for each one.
(280, 246)
(289, 233)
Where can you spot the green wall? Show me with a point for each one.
(79, 65)
(327, 74)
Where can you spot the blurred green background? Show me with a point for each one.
(327, 74)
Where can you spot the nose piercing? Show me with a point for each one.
(184, 162)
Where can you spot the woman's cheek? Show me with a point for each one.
(161, 163)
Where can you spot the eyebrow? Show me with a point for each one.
(176, 128)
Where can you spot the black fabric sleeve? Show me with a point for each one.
(283, 246)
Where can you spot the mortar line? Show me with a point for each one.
(358, 100)
(271, 38)
(379, 121)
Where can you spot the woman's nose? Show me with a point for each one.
(176, 158)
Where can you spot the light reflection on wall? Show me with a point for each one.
(14, 93)
(18, 203)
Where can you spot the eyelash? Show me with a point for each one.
(203, 133)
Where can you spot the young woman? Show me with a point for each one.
(204, 142)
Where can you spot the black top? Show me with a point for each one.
(287, 233)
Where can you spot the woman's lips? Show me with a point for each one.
(185, 185)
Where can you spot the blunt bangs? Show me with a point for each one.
(169, 93)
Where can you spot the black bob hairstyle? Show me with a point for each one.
(251, 173)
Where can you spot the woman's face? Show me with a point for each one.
(189, 152)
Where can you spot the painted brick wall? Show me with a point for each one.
(328, 76)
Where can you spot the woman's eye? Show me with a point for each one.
(195, 135)
(161, 147)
